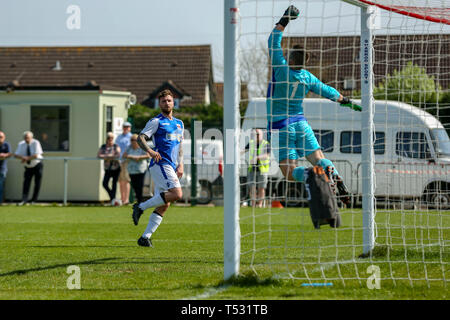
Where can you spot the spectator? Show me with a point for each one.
(123, 141)
(110, 153)
(5, 153)
(259, 161)
(137, 165)
(29, 151)
(45, 144)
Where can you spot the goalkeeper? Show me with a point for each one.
(289, 85)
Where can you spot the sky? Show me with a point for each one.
(163, 22)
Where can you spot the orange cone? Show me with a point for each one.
(276, 204)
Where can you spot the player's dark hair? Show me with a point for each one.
(165, 93)
(298, 57)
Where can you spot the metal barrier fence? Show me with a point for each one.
(209, 179)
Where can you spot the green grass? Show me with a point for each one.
(38, 243)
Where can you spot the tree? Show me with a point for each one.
(253, 69)
(411, 85)
(414, 86)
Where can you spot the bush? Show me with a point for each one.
(211, 115)
(411, 85)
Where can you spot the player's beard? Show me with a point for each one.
(167, 112)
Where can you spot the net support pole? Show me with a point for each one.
(231, 146)
(66, 173)
(368, 24)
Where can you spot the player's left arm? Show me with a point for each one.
(318, 87)
(180, 168)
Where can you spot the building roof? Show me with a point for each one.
(140, 70)
(335, 59)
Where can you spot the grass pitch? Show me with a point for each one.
(39, 243)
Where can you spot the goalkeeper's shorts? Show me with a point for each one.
(294, 141)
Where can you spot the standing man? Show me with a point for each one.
(29, 151)
(289, 86)
(110, 153)
(166, 166)
(259, 162)
(5, 153)
(123, 141)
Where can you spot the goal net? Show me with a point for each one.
(398, 221)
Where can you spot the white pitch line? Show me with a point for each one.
(208, 293)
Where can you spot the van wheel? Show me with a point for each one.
(205, 195)
(440, 200)
(437, 195)
(294, 196)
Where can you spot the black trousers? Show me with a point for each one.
(29, 173)
(137, 183)
(114, 175)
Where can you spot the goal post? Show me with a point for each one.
(368, 18)
(231, 150)
(391, 57)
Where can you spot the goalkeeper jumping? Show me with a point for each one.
(289, 85)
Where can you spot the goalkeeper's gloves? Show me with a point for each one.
(291, 13)
(346, 102)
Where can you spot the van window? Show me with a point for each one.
(351, 142)
(380, 143)
(441, 142)
(325, 139)
(412, 145)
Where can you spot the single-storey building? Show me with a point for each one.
(69, 122)
(71, 96)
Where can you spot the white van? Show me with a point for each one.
(412, 149)
(209, 170)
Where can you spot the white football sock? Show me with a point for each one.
(153, 224)
(153, 202)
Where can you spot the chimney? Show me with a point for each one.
(57, 66)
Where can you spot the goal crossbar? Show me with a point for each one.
(424, 11)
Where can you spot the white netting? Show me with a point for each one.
(412, 151)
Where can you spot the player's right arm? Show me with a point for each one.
(145, 135)
(280, 68)
(274, 44)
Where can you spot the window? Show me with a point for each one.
(379, 145)
(325, 139)
(412, 145)
(441, 142)
(351, 142)
(50, 125)
(109, 119)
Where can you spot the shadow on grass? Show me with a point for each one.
(55, 266)
(82, 246)
(400, 254)
(250, 279)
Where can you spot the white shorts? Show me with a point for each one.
(164, 178)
